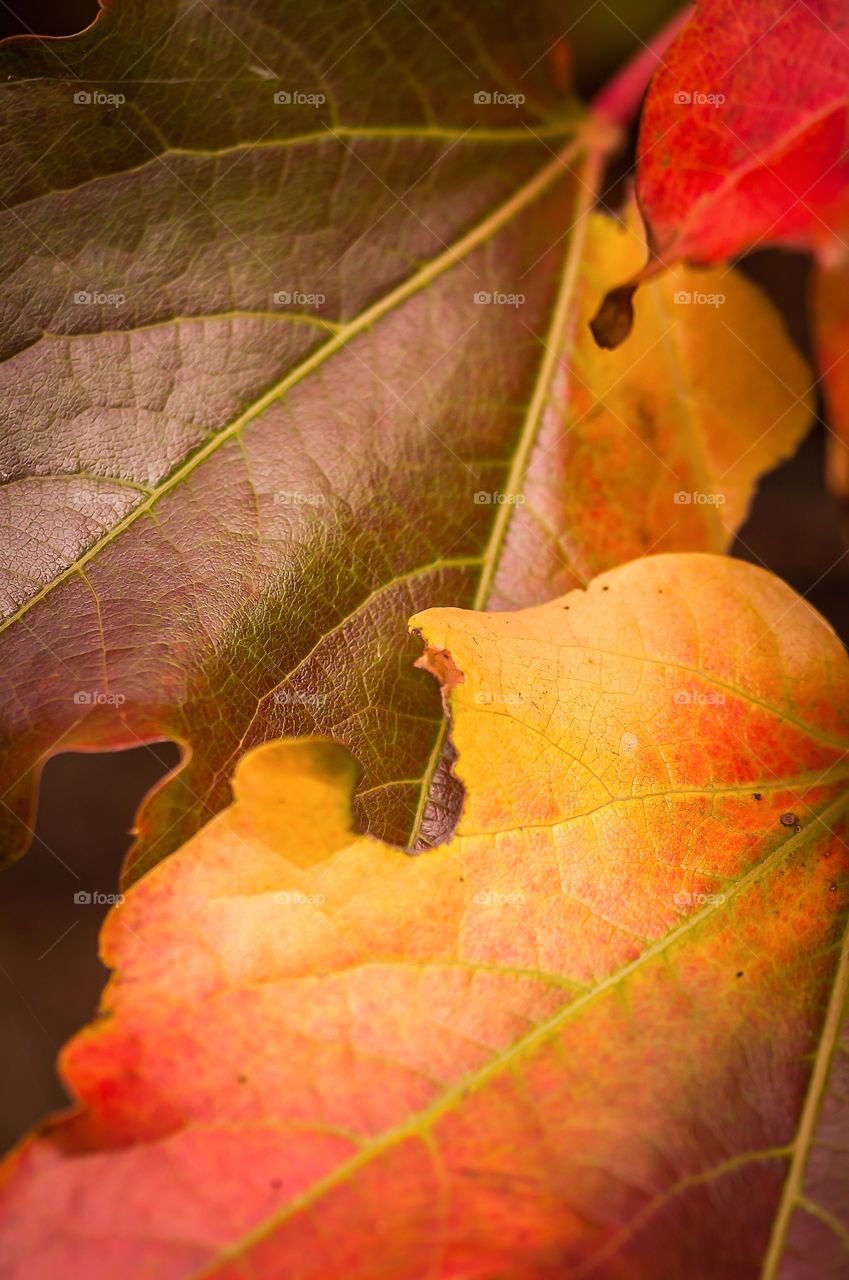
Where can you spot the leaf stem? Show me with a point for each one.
(599, 143)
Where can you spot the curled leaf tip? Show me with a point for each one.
(614, 319)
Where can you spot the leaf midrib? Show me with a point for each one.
(555, 169)
(793, 1195)
(553, 344)
(668, 793)
(424, 1119)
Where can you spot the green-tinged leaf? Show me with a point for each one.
(250, 398)
(585, 1038)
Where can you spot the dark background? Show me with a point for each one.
(50, 976)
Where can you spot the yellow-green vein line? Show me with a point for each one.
(525, 196)
(458, 1092)
(792, 1193)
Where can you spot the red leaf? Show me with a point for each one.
(749, 114)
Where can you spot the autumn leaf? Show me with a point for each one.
(743, 140)
(748, 109)
(582, 1038)
(813, 1222)
(250, 398)
(655, 414)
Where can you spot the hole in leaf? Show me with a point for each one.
(47, 17)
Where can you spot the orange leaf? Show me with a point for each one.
(575, 1041)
